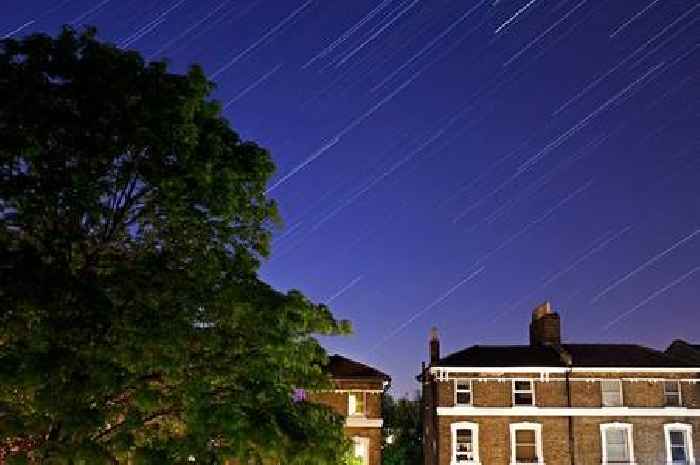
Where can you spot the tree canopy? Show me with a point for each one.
(133, 220)
(403, 431)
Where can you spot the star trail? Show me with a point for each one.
(454, 163)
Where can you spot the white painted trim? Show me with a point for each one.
(688, 430)
(636, 370)
(360, 422)
(531, 391)
(438, 370)
(474, 428)
(680, 391)
(619, 385)
(568, 411)
(365, 442)
(471, 392)
(348, 391)
(502, 379)
(352, 404)
(505, 369)
(630, 440)
(537, 428)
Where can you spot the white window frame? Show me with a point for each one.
(688, 430)
(629, 430)
(365, 443)
(352, 397)
(679, 393)
(470, 391)
(474, 428)
(602, 397)
(537, 428)
(531, 391)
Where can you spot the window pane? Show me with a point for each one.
(464, 398)
(465, 445)
(677, 438)
(462, 386)
(524, 436)
(670, 386)
(612, 395)
(360, 404)
(672, 400)
(523, 386)
(678, 454)
(523, 398)
(525, 454)
(616, 445)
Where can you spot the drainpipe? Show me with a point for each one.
(572, 440)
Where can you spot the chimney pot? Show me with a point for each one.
(434, 345)
(545, 328)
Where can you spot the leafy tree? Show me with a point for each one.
(403, 432)
(133, 324)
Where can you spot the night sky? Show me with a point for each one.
(455, 163)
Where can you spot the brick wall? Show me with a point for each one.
(494, 438)
(339, 402)
(494, 432)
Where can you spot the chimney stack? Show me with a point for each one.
(545, 328)
(434, 345)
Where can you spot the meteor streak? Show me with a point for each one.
(19, 29)
(335, 139)
(427, 308)
(645, 265)
(651, 297)
(344, 289)
(262, 39)
(512, 18)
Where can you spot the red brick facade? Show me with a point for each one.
(567, 411)
(364, 426)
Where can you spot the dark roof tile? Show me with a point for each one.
(583, 355)
(343, 368)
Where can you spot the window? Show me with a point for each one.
(616, 441)
(465, 443)
(463, 392)
(672, 394)
(611, 390)
(523, 393)
(679, 444)
(526, 443)
(299, 395)
(356, 404)
(361, 449)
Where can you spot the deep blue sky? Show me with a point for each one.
(454, 163)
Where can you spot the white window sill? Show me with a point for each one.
(464, 462)
(527, 463)
(618, 463)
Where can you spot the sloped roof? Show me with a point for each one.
(343, 368)
(582, 355)
(684, 351)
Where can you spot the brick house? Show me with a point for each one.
(549, 403)
(358, 396)
(681, 349)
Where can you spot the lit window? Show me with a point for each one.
(526, 443)
(361, 449)
(463, 392)
(672, 394)
(679, 444)
(356, 404)
(465, 443)
(611, 390)
(523, 393)
(617, 443)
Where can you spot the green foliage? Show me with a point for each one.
(132, 223)
(403, 432)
